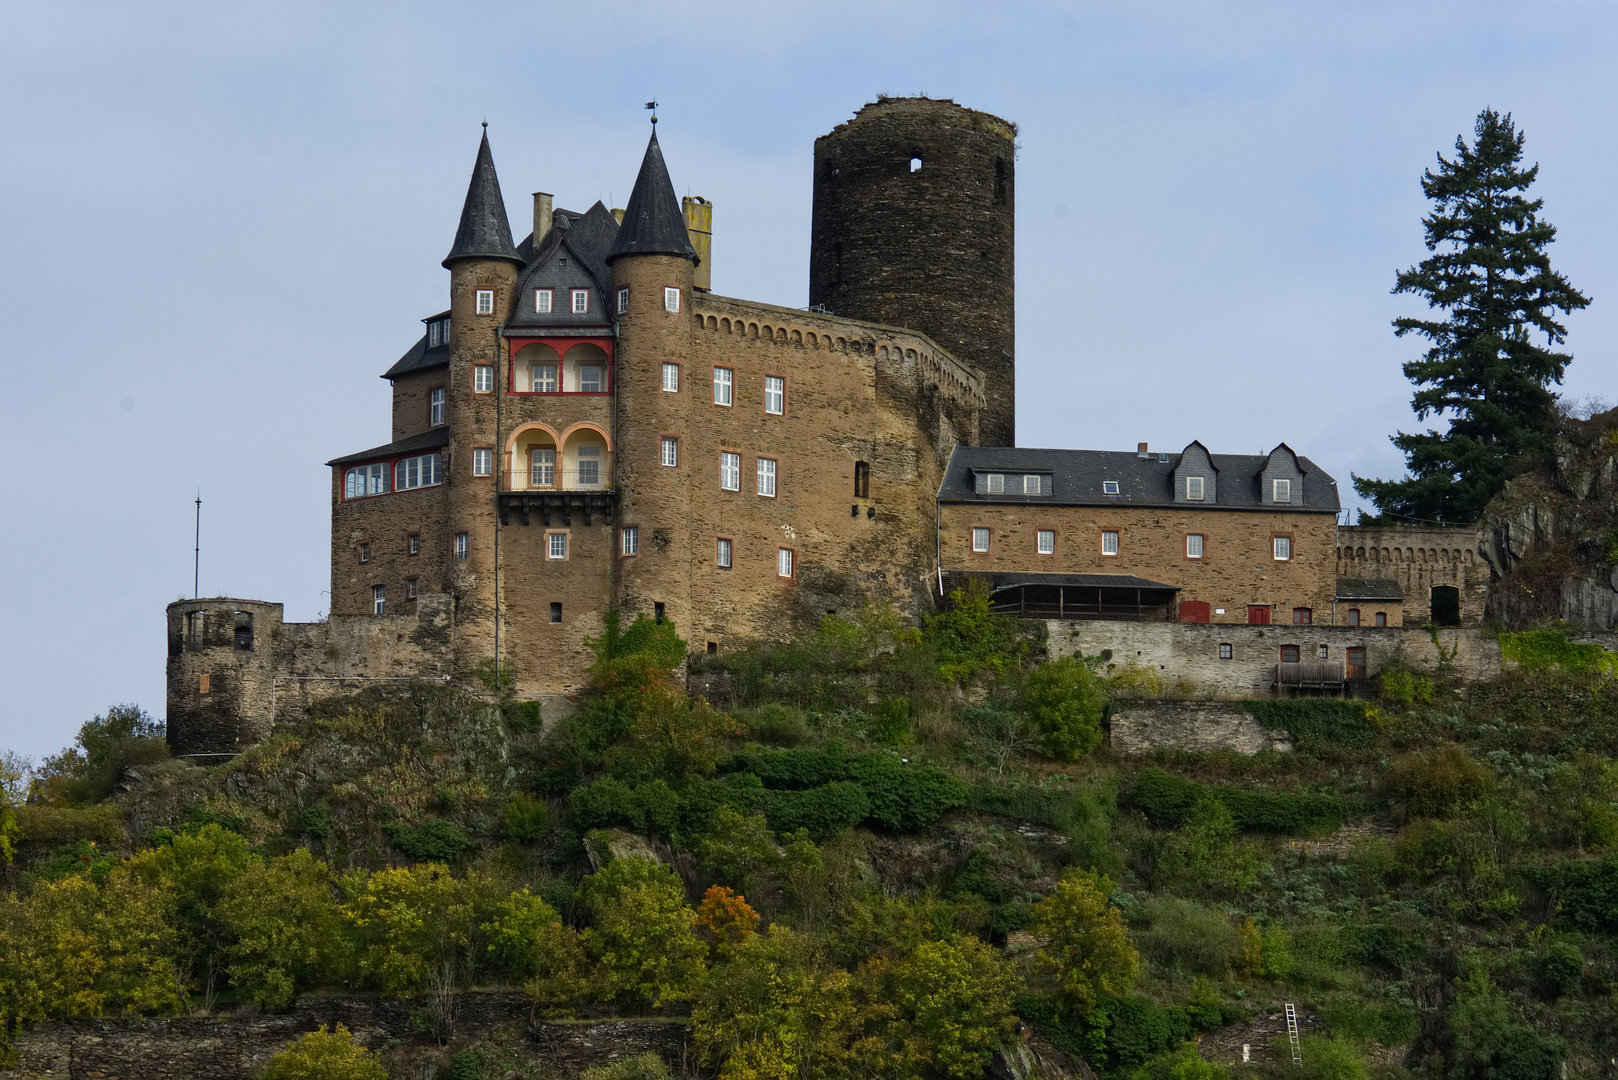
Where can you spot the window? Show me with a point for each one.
(980, 539)
(196, 627)
(542, 467)
(379, 599)
(623, 301)
(1353, 616)
(413, 544)
(1226, 651)
(722, 377)
(862, 480)
(410, 590)
(435, 406)
(671, 298)
(994, 483)
(669, 452)
(1109, 542)
(437, 333)
(1030, 484)
(485, 302)
(1193, 545)
(658, 609)
(365, 553)
(590, 379)
(556, 545)
(775, 395)
(730, 471)
(783, 562)
(722, 553)
(556, 611)
(1109, 487)
(542, 301)
(629, 543)
(1281, 490)
(1046, 542)
(463, 543)
(364, 480)
(482, 461)
(1302, 616)
(581, 301)
(1382, 618)
(424, 470)
(1283, 548)
(589, 466)
(543, 379)
(1193, 488)
(1324, 652)
(766, 477)
(671, 378)
(483, 379)
(1289, 654)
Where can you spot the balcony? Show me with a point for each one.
(556, 506)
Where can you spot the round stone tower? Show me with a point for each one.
(912, 227)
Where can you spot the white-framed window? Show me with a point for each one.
(995, 483)
(730, 471)
(775, 395)
(483, 379)
(590, 379)
(463, 545)
(1046, 542)
(435, 406)
(668, 453)
(1281, 491)
(365, 480)
(542, 301)
(723, 377)
(783, 562)
(671, 298)
(629, 540)
(1193, 545)
(411, 587)
(766, 477)
(581, 301)
(1109, 542)
(485, 301)
(542, 378)
(1283, 548)
(365, 553)
(589, 466)
(413, 544)
(671, 378)
(1030, 484)
(437, 333)
(542, 466)
(1325, 652)
(482, 461)
(1193, 488)
(1109, 487)
(623, 301)
(980, 539)
(379, 599)
(722, 553)
(556, 545)
(424, 470)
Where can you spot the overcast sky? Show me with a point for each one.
(221, 222)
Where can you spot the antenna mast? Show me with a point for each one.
(196, 554)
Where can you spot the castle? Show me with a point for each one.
(588, 428)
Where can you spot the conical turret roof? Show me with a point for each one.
(653, 224)
(484, 232)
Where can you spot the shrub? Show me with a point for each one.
(821, 811)
(1174, 799)
(646, 1066)
(1540, 649)
(1123, 1033)
(466, 1065)
(1066, 701)
(1316, 722)
(437, 841)
(605, 803)
(900, 797)
(1586, 892)
(320, 1055)
(316, 821)
(775, 724)
(1185, 934)
(892, 722)
(526, 819)
(524, 716)
(1184, 1064)
(1562, 970)
(46, 824)
(286, 931)
(1436, 783)
(1333, 1058)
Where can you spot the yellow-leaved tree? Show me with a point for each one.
(1085, 941)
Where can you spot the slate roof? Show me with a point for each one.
(427, 440)
(1353, 588)
(419, 357)
(584, 240)
(1087, 581)
(484, 232)
(1077, 476)
(653, 224)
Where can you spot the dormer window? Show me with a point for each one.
(581, 301)
(1281, 491)
(542, 301)
(1109, 487)
(437, 333)
(995, 483)
(1030, 484)
(1193, 488)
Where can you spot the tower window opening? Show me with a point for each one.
(915, 163)
(244, 631)
(658, 611)
(556, 612)
(862, 480)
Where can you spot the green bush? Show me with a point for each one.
(1066, 701)
(775, 724)
(1562, 970)
(640, 1067)
(1173, 799)
(437, 841)
(892, 722)
(1182, 933)
(1540, 649)
(320, 1055)
(1333, 1058)
(901, 797)
(524, 716)
(466, 1065)
(605, 803)
(1586, 892)
(1021, 802)
(1123, 1033)
(526, 819)
(1314, 722)
(1184, 1064)
(822, 810)
(1436, 783)
(47, 824)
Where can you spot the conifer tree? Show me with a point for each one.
(1484, 368)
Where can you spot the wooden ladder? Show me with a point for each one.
(1292, 1035)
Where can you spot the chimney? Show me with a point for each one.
(542, 216)
(1140, 451)
(698, 214)
(618, 214)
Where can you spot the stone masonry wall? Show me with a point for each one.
(412, 401)
(1196, 726)
(1418, 559)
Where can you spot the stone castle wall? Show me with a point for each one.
(1418, 559)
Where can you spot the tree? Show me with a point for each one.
(953, 1004)
(323, 1055)
(288, 932)
(1085, 940)
(197, 869)
(1490, 276)
(1066, 700)
(87, 772)
(727, 918)
(15, 773)
(642, 934)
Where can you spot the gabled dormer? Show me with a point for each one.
(566, 284)
(1195, 478)
(1281, 482)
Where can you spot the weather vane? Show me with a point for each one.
(652, 105)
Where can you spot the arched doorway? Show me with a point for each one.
(1446, 601)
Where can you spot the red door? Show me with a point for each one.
(1258, 615)
(1195, 611)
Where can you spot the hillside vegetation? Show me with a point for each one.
(875, 851)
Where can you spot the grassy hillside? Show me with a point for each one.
(874, 851)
